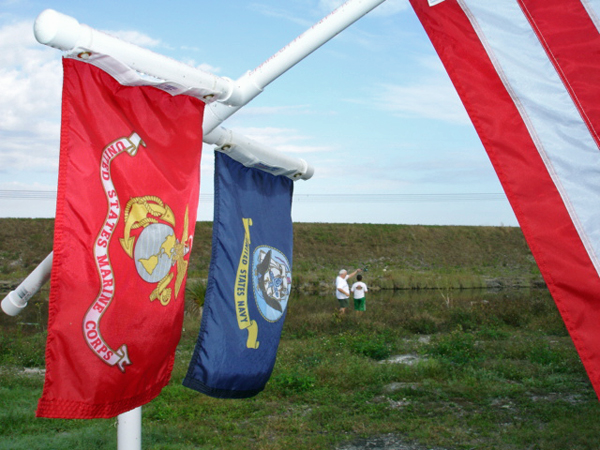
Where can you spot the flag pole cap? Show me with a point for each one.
(56, 30)
(10, 306)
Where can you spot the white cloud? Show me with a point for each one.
(283, 139)
(424, 92)
(135, 37)
(35, 186)
(387, 8)
(391, 7)
(432, 99)
(203, 66)
(280, 13)
(207, 68)
(31, 78)
(290, 110)
(272, 136)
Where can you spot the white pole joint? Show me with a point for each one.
(244, 90)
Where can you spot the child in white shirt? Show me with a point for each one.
(359, 289)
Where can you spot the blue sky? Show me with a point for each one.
(372, 110)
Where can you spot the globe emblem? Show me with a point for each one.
(272, 279)
(154, 252)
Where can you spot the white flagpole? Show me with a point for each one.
(129, 430)
(251, 153)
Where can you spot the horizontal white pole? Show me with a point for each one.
(254, 154)
(66, 33)
(17, 300)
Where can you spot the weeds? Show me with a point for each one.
(22, 349)
(292, 383)
(458, 348)
(195, 291)
(511, 384)
(484, 369)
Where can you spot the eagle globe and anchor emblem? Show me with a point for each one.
(272, 281)
(156, 250)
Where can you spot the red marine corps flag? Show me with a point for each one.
(128, 193)
(528, 73)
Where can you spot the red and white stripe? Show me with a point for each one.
(528, 73)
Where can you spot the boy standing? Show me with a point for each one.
(359, 289)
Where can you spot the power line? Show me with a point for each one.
(20, 194)
(398, 198)
(312, 198)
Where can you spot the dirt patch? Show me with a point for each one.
(385, 442)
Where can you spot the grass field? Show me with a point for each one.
(488, 371)
(479, 368)
(395, 256)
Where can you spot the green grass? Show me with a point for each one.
(413, 257)
(394, 256)
(483, 379)
(492, 369)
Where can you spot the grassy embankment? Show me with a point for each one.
(396, 256)
(491, 370)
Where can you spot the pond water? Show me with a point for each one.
(35, 316)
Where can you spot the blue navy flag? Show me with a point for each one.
(249, 282)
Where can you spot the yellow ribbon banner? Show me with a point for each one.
(241, 291)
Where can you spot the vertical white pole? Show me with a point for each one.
(129, 430)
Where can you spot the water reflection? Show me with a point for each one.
(458, 294)
(35, 315)
(429, 295)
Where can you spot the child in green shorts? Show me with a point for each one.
(359, 289)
